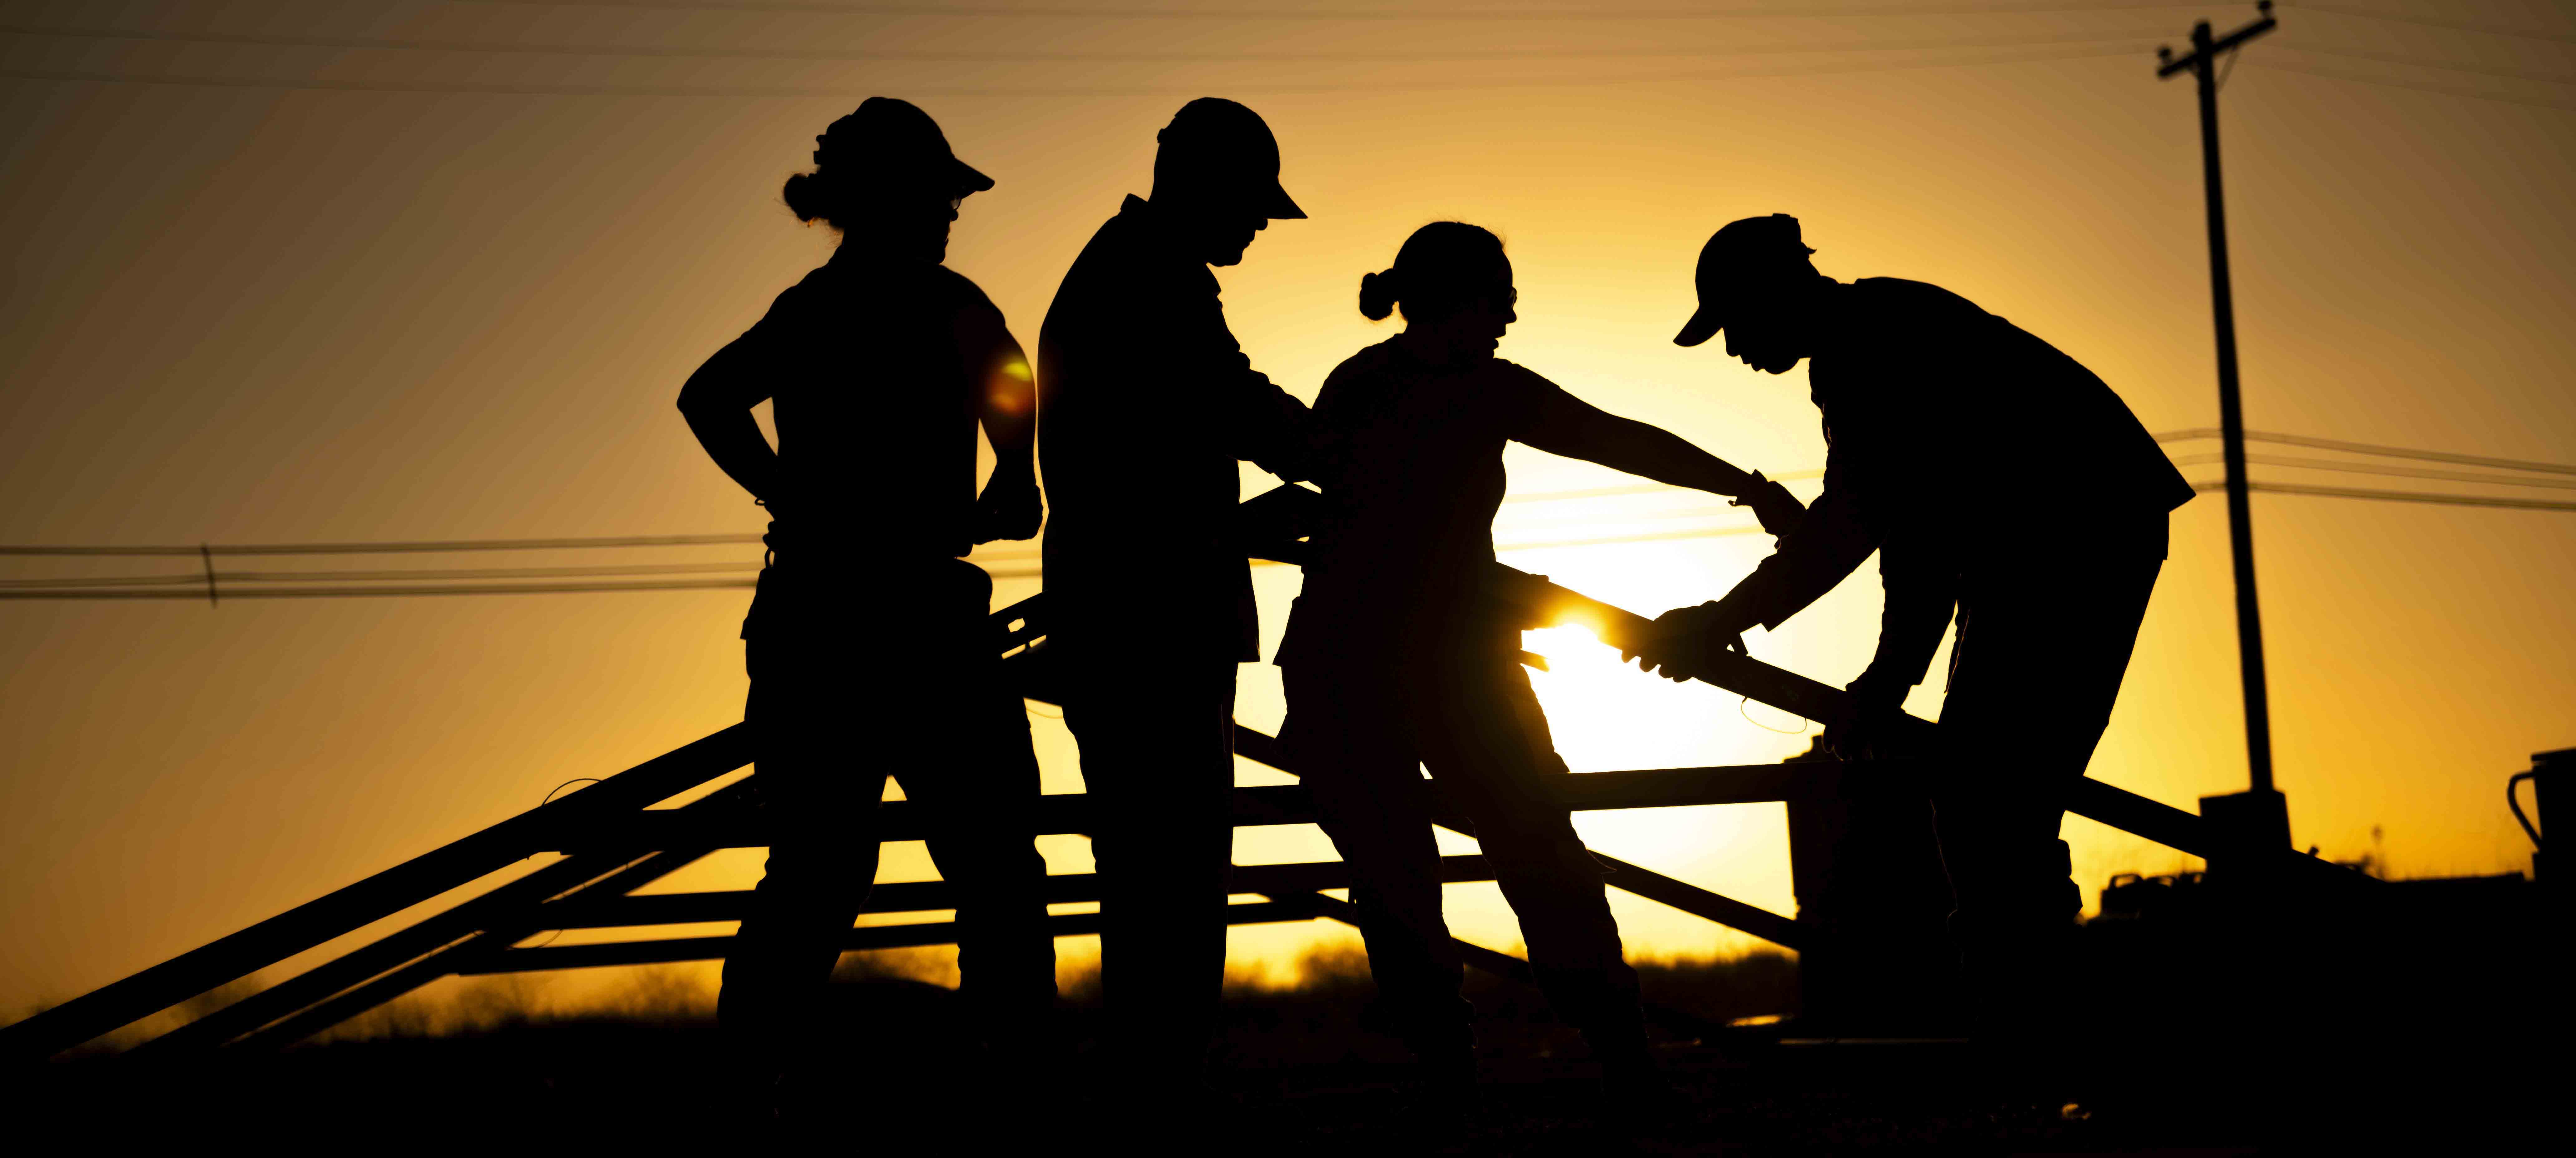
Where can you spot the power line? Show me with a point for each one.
(1638, 489)
(465, 88)
(2394, 496)
(1005, 554)
(1605, 540)
(177, 586)
(2513, 480)
(684, 52)
(1379, 14)
(390, 548)
(220, 578)
(418, 589)
(2417, 86)
(2430, 22)
(2200, 432)
(2418, 62)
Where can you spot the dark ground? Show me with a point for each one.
(1303, 1071)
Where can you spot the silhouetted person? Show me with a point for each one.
(1997, 477)
(1148, 403)
(1397, 660)
(867, 642)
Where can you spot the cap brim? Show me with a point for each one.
(1702, 326)
(971, 179)
(1277, 206)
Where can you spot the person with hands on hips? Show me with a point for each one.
(1932, 407)
(880, 366)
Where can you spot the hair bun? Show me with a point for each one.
(807, 196)
(1378, 295)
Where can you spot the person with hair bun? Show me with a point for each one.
(867, 643)
(1397, 660)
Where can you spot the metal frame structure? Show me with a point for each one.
(615, 841)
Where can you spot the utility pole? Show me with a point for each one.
(2257, 817)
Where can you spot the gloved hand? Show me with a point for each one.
(1683, 636)
(1779, 511)
(1868, 723)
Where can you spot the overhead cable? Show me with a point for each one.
(388, 548)
(386, 590)
(2510, 480)
(713, 52)
(2418, 86)
(1386, 13)
(199, 578)
(1517, 81)
(2433, 497)
(2200, 432)
(2436, 22)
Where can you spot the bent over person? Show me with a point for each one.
(1398, 660)
(867, 641)
(1998, 478)
(1148, 404)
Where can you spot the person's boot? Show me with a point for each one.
(2015, 959)
(1444, 1068)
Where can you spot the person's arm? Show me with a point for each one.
(1006, 403)
(1830, 542)
(1921, 579)
(716, 401)
(1561, 423)
(1261, 423)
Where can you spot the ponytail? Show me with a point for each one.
(1377, 295)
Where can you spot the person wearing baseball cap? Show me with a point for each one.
(1996, 478)
(880, 366)
(1148, 403)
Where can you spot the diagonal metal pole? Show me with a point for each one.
(382, 895)
(521, 904)
(455, 957)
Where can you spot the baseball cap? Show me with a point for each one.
(1754, 245)
(1221, 144)
(895, 138)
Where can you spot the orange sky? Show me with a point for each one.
(354, 311)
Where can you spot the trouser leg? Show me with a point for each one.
(979, 793)
(1487, 743)
(2039, 667)
(1348, 735)
(818, 804)
(1158, 762)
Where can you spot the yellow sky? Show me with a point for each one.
(245, 314)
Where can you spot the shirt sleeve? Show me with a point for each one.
(1922, 583)
(1828, 545)
(1535, 411)
(1260, 422)
(975, 321)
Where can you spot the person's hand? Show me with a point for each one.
(1009, 508)
(1867, 725)
(1682, 637)
(1779, 511)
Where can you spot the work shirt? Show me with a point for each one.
(1956, 442)
(1410, 456)
(875, 406)
(1145, 404)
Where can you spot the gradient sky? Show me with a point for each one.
(321, 291)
